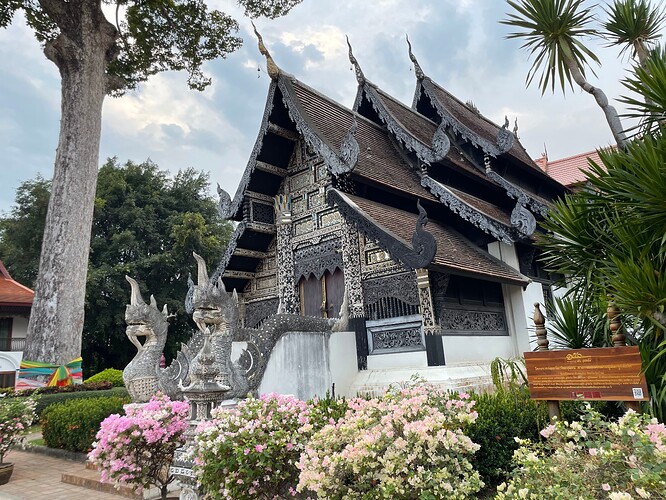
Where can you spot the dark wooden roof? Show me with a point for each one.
(455, 254)
(379, 161)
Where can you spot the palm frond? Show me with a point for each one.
(553, 32)
(633, 23)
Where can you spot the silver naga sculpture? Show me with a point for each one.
(216, 313)
(141, 375)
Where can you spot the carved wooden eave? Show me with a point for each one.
(410, 256)
(340, 159)
(389, 228)
(238, 264)
(482, 220)
(428, 153)
(231, 209)
(492, 140)
(406, 138)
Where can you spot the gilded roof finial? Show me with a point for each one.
(271, 67)
(420, 75)
(360, 77)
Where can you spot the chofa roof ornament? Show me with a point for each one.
(420, 75)
(505, 137)
(360, 77)
(271, 68)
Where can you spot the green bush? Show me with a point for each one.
(109, 375)
(503, 415)
(72, 425)
(46, 400)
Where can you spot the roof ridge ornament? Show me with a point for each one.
(224, 205)
(420, 75)
(271, 68)
(349, 148)
(505, 137)
(360, 77)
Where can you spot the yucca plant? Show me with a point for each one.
(576, 323)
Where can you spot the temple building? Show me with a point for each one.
(335, 200)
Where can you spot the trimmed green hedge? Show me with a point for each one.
(109, 375)
(72, 425)
(45, 400)
(503, 415)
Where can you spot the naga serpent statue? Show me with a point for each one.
(214, 310)
(141, 375)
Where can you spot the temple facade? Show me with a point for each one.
(423, 215)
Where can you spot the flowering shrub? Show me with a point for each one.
(138, 447)
(592, 458)
(16, 417)
(409, 444)
(251, 451)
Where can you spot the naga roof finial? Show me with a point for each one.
(135, 297)
(420, 75)
(202, 272)
(271, 67)
(360, 77)
(515, 127)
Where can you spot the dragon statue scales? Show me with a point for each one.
(215, 312)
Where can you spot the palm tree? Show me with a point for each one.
(553, 31)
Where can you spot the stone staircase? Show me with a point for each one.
(89, 477)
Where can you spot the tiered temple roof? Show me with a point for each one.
(473, 177)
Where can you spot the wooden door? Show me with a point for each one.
(311, 296)
(335, 292)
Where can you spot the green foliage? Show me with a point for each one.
(46, 400)
(154, 35)
(576, 323)
(16, 417)
(553, 30)
(22, 229)
(503, 415)
(611, 239)
(632, 23)
(508, 373)
(591, 458)
(109, 375)
(146, 225)
(72, 425)
(649, 83)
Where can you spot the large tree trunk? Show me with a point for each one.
(81, 52)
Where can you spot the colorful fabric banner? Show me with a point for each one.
(34, 374)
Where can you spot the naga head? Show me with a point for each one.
(144, 319)
(210, 302)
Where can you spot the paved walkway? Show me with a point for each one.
(37, 477)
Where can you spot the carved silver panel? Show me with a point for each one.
(317, 259)
(395, 335)
(472, 322)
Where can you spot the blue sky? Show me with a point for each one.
(459, 43)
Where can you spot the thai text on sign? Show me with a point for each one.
(607, 373)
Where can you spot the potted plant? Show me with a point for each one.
(16, 417)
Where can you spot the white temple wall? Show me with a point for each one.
(417, 359)
(307, 364)
(476, 348)
(519, 302)
(10, 361)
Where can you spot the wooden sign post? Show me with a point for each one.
(603, 374)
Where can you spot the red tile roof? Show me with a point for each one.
(567, 171)
(12, 293)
